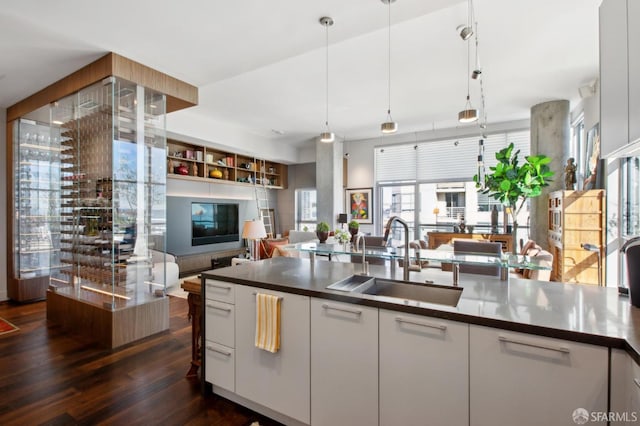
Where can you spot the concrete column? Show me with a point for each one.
(329, 182)
(550, 136)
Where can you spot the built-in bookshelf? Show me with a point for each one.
(196, 162)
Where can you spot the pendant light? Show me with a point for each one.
(327, 136)
(468, 114)
(389, 126)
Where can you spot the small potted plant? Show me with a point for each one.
(322, 231)
(354, 227)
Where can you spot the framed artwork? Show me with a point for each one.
(359, 202)
(592, 163)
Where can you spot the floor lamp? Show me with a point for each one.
(253, 231)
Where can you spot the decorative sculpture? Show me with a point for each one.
(570, 174)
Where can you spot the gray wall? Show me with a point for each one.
(301, 176)
(179, 225)
(3, 208)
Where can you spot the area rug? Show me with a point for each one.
(7, 327)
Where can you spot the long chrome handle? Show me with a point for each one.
(225, 353)
(561, 349)
(440, 327)
(339, 308)
(637, 382)
(218, 308)
(224, 287)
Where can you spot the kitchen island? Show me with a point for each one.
(552, 342)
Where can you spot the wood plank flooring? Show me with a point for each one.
(48, 377)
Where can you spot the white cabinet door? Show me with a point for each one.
(614, 88)
(220, 362)
(220, 320)
(633, 28)
(625, 388)
(278, 380)
(424, 370)
(219, 334)
(219, 290)
(344, 364)
(521, 379)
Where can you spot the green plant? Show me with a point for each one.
(512, 184)
(322, 227)
(342, 236)
(354, 224)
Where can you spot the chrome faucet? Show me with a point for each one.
(365, 264)
(387, 228)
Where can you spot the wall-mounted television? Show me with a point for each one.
(213, 223)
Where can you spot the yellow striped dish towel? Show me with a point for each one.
(268, 322)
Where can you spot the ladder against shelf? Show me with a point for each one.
(264, 212)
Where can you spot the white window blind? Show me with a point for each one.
(444, 160)
(396, 163)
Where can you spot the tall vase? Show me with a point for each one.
(514, 236)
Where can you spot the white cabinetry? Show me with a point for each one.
(279, 381)
(523, 379)
(619, 68)
(633, 29)
(219, 311)
(614, 87)
(625, 388)
(344, 364)
(424, 370)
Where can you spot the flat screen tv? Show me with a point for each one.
(213, 223)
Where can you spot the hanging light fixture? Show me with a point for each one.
(468, 114)
(466, 31)
(327, 136)
(389, 126)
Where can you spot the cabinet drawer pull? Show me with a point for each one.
(339, 308)
(220, 351)
(223, 287)
(637, 382)
(561, 349)
(218, 307)
(440, 327)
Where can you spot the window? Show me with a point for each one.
(398, 200)
(430, 184)
(306, 212)
(630, 196)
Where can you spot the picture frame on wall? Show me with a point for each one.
(359, 204)
(592, 164)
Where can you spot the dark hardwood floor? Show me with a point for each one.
(49, 377)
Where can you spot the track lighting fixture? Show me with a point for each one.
(464, 31)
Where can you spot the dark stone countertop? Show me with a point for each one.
(581, 313)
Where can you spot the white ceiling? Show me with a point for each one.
(261, 65)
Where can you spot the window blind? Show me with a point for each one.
(443, 160)
(396, 163)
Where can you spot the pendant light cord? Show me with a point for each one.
(389, 60)
(327, 75)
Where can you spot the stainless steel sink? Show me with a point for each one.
(438, 294)
(351, 283)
